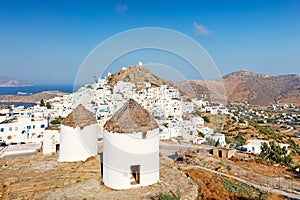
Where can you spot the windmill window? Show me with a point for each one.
(135, 172)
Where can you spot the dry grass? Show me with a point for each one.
(79, 117)
(265, 169)
(131, 118)
(274, 196)
(212, 186)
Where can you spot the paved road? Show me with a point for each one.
(19, 155)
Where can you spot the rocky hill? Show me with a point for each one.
(137, 75)
(31, 98)
(10, 82)
(257, 89)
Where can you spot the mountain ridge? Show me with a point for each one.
(255, 88)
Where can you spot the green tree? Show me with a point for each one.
(42, 102)
(272, 153)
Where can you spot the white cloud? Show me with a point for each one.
(120, 8)
(201, 30)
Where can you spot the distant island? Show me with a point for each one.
(11, 82)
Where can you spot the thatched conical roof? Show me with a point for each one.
(131, 118)
(79, 117)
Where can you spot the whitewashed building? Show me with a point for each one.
(218, 137)
(254, 146)
(51, 140)
(22, 130)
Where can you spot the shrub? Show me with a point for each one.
(206, 119)
(167, 196)
(55, 122)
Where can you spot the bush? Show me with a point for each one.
(239, 140)
(241, 120)
(206, 119)
(167, 196)
(55, 122)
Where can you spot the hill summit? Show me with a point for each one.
(136, 75)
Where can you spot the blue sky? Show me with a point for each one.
(46, 41)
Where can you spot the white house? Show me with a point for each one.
(51, 140)
(199, 140)
(254, 146)
(130, 148)
(218, 137)
(197, 121)
(22, 130)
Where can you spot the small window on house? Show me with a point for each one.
(28, 127)
(43, 126)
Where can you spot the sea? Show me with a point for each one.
(29, 90)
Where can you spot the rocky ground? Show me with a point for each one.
(42, 177)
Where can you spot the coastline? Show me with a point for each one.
(15, 101)
(33, 98)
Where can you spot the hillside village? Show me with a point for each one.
(176, 118)
(230, 130)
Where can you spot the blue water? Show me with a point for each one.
(26, 105)
(35, 89)
(31, 90)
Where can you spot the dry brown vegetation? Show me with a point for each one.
(137, 75)
(131, 118)
(212, 186)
